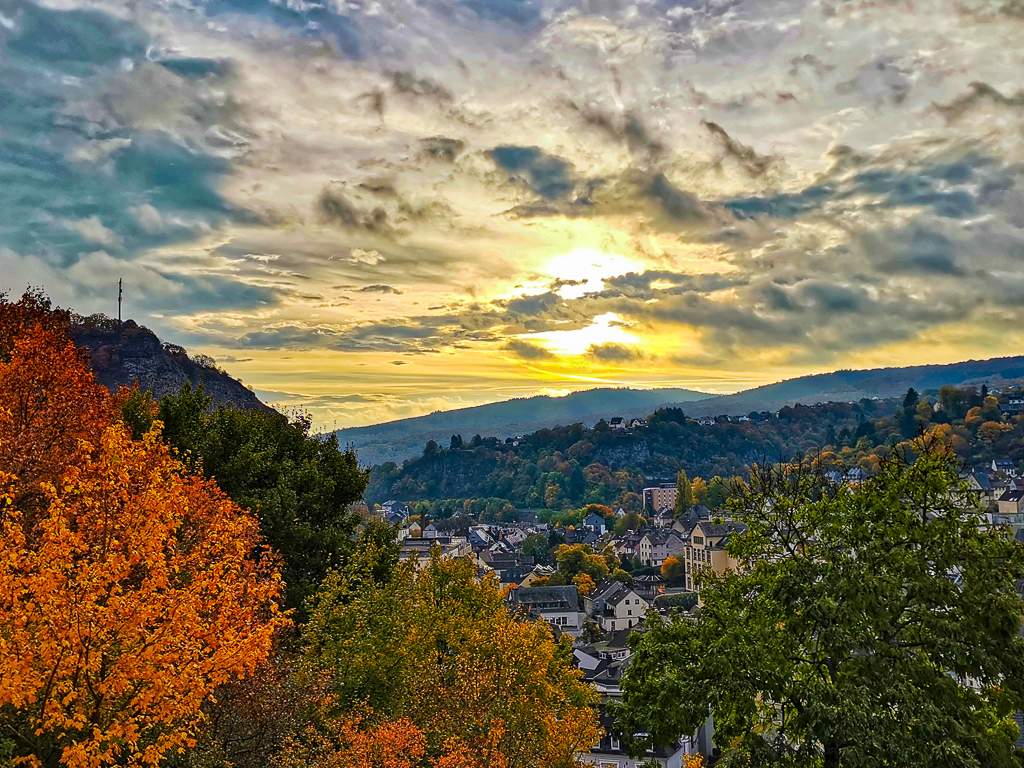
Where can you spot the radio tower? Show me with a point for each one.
(119, 301)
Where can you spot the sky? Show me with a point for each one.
(374, 209)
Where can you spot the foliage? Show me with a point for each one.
(684, 600)
(684, 494)
(301, 486)
(872, 625)
(438, 646)
(129, 587)
(673, 570)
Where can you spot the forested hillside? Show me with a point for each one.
(568, 467)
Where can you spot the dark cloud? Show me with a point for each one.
(980, 95)
(955, 189)
(196, 68)
(550, 177)
(324, 22)
(752, 162)
(617, 354)
(334, 206)
(379, 288)
(527, 351)
(681, 206)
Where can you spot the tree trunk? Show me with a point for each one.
(831, 754)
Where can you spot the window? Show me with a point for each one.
(613, 625)
(629, 612)
(615, 743)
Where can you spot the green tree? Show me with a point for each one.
(868, 626)
(436, 644)
(536, 545)
(300, 486)
(630, 521)
(684, 494)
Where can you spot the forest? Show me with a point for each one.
(569, 467)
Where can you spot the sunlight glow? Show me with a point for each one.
(588, 269)
(606, 328)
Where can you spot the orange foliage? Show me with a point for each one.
(129, 588)
(584, 584)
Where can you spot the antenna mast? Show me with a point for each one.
(119, 301)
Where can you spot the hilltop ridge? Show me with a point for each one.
(123, 353)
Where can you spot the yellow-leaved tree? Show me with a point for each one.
(129, 588)
(438, 647)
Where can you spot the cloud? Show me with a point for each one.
(526, 350)
(615, 353)
(793, 184)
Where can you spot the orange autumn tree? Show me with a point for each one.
(129, 588)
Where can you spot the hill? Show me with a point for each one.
(122, 354)
(398, 440)
(849, 385)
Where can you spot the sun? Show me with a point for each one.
(604, 329)
(585, 270)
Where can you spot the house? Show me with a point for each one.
(395, 507)
(684, 525)
(595, 523)
(538, 572)
(448, 547)
(559, 606)
(657, 545)
(609, 752)
(617, 422)
(665, 517)
(660, 496)
(620, 512)
(1013, 406)
(637, 423)
(414, 530)
(706, 421)
(1004, 467)
(1011, 503)
(616, 606)
(627, 544)
(707, 549)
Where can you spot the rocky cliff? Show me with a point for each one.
(122, 354)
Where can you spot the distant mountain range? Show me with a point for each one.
(398, 440)
(402, 439)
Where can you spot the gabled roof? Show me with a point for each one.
(1012, 496)
(722, 529)
(540, 599)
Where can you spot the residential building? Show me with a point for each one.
(595, 522)
(1005, 467)
(707, 549)
(1011, 503)
(616, 606)
(656, 497)
(659, 544)
(559, 606)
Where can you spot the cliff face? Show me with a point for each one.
(121, 355)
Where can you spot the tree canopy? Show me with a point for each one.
(439, 647)
(873, 625)
(129, 587)
(300, 486)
